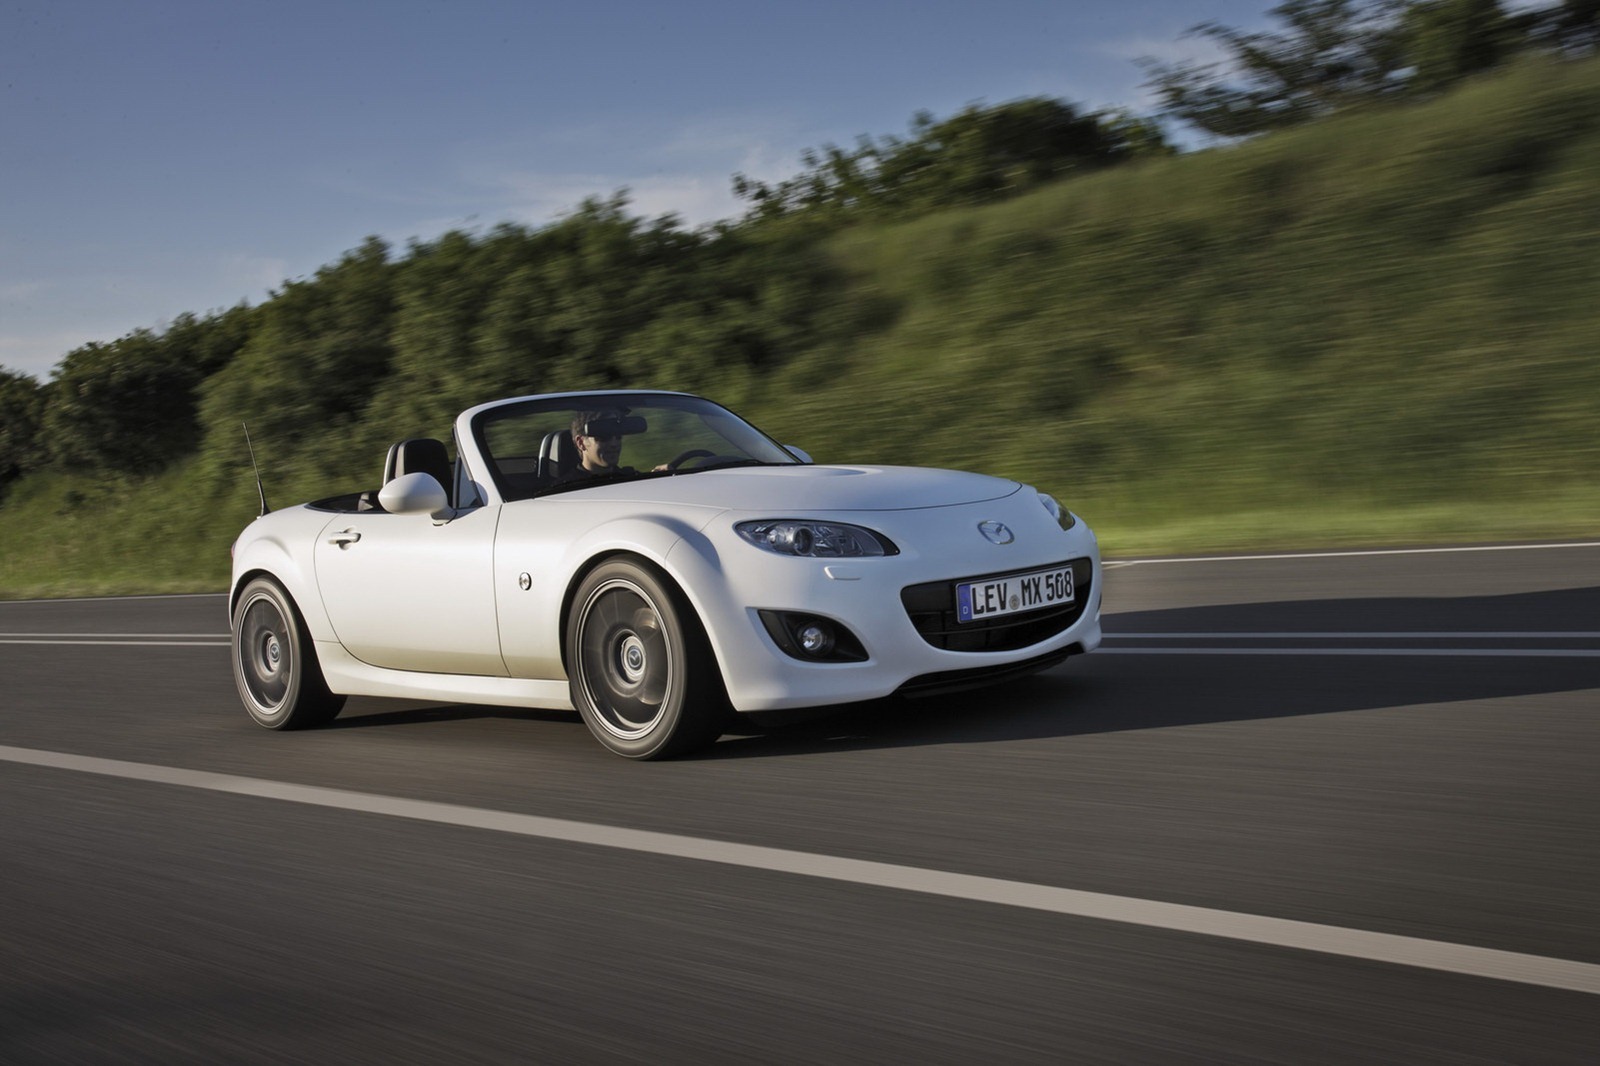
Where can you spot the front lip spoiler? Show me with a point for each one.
(946, 681)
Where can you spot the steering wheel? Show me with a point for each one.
(684, 457)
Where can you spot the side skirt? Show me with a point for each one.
(350, 676)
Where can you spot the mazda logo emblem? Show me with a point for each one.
(996, 532)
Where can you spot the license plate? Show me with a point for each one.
(978, 601)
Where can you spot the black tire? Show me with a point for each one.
(641, 671)
(274, 663)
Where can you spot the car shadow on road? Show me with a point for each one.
(1130, 690)
(365, 713)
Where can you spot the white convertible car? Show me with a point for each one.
(659, 564)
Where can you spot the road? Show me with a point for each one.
(1328, 808)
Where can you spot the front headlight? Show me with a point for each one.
(815, 540)
(1064, 518)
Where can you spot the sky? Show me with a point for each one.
(159, 157)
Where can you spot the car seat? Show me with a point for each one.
(558, 455)
(422, 455)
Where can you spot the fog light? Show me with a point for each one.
(812, 638)
(815, 638)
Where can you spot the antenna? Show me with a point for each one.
(259, 490)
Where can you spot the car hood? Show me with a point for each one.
(790, 490)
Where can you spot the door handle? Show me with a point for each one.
(344, 538)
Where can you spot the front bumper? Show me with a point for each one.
(888, 603)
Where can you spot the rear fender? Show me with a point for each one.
(284, 555)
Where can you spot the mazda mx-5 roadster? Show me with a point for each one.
(660, 565)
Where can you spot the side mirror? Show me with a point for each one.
(415, 494)
(798, 453)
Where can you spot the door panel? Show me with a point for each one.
(407, 593)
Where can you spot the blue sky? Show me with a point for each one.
(163, 156)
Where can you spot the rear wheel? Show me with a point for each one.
(641, 671)
(274, 663)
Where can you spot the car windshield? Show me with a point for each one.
(561, 444)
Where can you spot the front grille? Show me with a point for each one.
(932, 609)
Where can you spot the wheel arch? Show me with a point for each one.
(652, 541)
(670, 580)
(297, 598)
(270, 556)
(243, 579)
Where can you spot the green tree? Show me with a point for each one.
(605, 275)
(206, 345)
(314, 355)
(987, 153)
(1572, 27)
(123, 407)
(441, 290)
(980, 154)
(736, 307)
(1447, 40)
(1330, 54)
(21, 405)
(130, 406)
(521, 311)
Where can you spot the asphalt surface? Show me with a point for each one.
(1403, 745)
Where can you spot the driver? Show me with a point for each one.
(598, 437)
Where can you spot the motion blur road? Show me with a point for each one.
(1319, 808)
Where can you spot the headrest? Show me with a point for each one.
(422, 455)
(557, 454)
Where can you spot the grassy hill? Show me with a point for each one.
(1377, 329)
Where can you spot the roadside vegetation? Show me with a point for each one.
(1371, 322)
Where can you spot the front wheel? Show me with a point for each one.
(274, 664)
(641, 671)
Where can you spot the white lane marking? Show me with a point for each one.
(1471, 634)
(115, 599)
(141, 644)
(132, 636)
(1232, 925)
(1109, 564)
(1460, 653)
